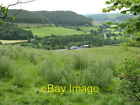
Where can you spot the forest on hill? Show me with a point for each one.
(64, 18)
(110, 17)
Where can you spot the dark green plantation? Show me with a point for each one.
(12, 32)
(63, 18)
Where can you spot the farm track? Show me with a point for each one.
(12, 41)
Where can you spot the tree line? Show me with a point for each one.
(65, 42)
(12, 32)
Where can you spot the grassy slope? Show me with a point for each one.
(47, 31)
(116, 54)
(29, 61)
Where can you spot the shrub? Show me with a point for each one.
(78, 72)
(99, 74)
(80, 62)
(129, 72)
(50, 73)
(5, 67)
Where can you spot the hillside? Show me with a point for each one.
(113, 17)
(65, 18)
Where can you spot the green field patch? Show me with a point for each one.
(47, 31)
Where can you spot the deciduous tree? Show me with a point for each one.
(125, 6)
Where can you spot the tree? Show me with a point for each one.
(10, 31)
(129, 70)
(4, 9)
(131, 27)
(125, 6)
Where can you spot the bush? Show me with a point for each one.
(78, 71)
(50, 73)
(129, 72)
(99, 74)
(80, 62)
(6, 68)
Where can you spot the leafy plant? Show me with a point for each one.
(129, 72)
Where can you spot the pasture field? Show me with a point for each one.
(43, 31)
(23, 74)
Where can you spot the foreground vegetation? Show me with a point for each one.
(23, 74)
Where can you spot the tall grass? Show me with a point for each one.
(78, 71)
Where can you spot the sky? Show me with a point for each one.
(78, 6)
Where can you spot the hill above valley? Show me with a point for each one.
(63, 18)
(112, 17)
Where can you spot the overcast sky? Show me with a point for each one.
(79, 6)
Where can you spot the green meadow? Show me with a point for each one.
(43, 31)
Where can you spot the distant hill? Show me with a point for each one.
(49, 17)
(113, 17)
